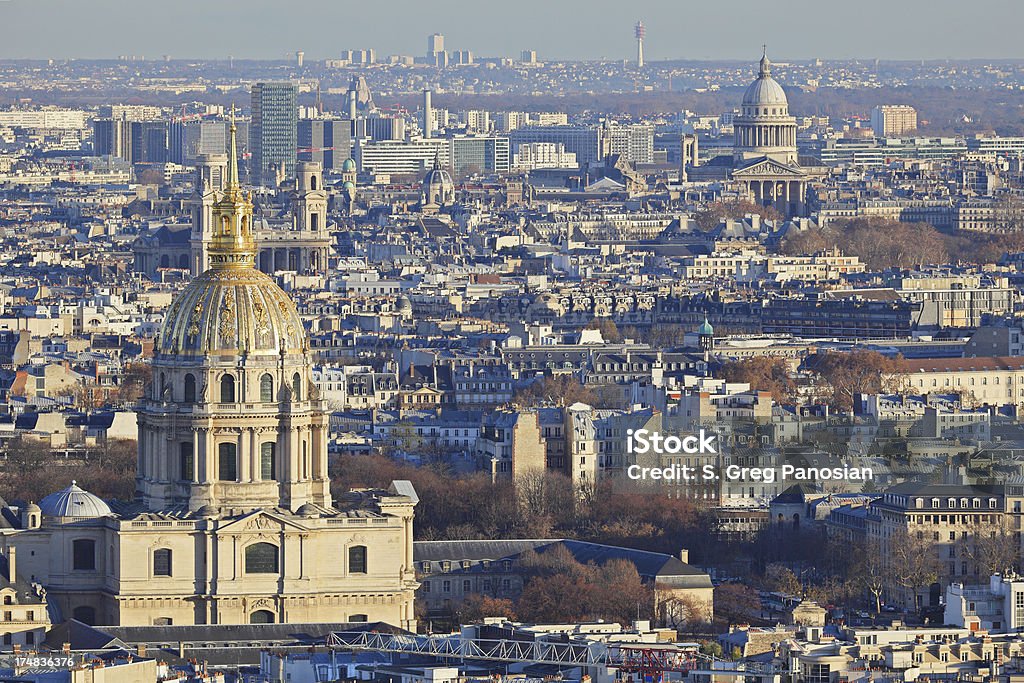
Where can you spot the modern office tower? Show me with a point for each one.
(428, 115)
(528, 57)
(273, 132)
(479, 154)
(400, 157)
(640, 31)
(436, 55)
(187, 139)
(535, 155)
(379, 128)
(893, 120)
(300, 57)
(633, 142)
(583, 141)
(462, 57)
(111, 137)
(359, 56)
(148, 142)
(325, 141)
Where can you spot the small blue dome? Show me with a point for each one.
(348, 185)
(74, 502)
(348, 165)
(705, 329)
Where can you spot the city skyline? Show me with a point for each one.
(266, 30)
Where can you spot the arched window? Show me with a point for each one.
(268, 460)
(8, 599)
(312, 182)
(227, 462)
(267, 388)
(262, 616)
(83, 554)
(162, 562)
(190, 388)
(186, 461)
(261, 558)
(227, 389)
(85, 614)
(296, 387)
(357, 559)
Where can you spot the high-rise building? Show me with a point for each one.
(631, 142)
(111, 137)
(300, 57)
(528, 57)
(462, 57)
(189, 139)
(583, 141)
(436, 56)
(273, 132)
(325, 141)
(893, 120)
(381, 127)
(148, 142)
(479, 154)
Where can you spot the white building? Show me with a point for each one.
(999, 606)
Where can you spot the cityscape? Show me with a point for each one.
(441, 366)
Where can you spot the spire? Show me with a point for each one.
(231, 182)
(437, 161)
(766, 66)
(233, 244)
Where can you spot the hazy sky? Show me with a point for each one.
(575, 29)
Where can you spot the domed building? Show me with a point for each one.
(764, 149)
(234, 520)
(437, 189)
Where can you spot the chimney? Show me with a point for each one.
(684, 556)
(12, 566)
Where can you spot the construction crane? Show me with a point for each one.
(644, 661)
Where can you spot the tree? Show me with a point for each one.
(849, 373)
(555, 598)
(709, 216)
(780, 578)
(912, 562)
(477, 607)
(136, 377)
(992, 549)
(682, 612)
(762, 373)
(609, 330)
(734, 602)
(618, 594)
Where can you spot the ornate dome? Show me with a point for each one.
(348, 185)
(348, 165)
(765, 91)
(74, 502)
(437, 175)
(233, 311)
(232, 307)
(705, 329)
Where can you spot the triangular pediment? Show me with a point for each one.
(767, 168)
(260, 521)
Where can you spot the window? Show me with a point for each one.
(261, 616)
(426, 586)
(227, 462)
(357, 559)
(83, 554)
(186, 461)
(162, 562)
(227, 389)
(85, 614)
(267, 461)
(296, 387)
(358, 618)
(467, 585)
(8, 600)
(163, 621)
(30, 638)
(190, 388)
(267, 389)
(261, 558)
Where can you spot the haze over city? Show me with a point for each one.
(565, 29)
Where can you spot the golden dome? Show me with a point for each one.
(231, 311)
(232, 307)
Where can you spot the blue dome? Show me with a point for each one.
(348, 165)
(74, 502)
(705, 329)
(348, 185)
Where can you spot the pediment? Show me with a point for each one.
(260, 521)
(767, 168)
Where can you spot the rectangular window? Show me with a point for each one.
(228, 462)
(268, 460)
(187, 461)
(357, 559)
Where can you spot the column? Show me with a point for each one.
(786, 190)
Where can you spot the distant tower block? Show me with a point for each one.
(299, 56)
(428, 114)
(640, 31)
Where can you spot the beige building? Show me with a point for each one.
(981, 381)
(893, 120)
(235, 522)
